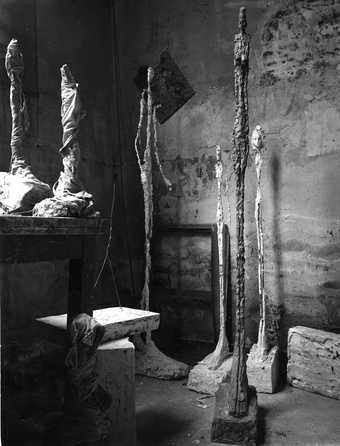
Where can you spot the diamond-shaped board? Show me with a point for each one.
(170, 88)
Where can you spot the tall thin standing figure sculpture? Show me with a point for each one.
(20, 189)
(263, 360)
(70, 199)
(147, 183)
(258, 147)
(209, 373)
(150, 361)
(236, 405)
(222, 349)
(238, 398)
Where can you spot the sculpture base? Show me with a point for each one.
(206, 380)
(68, 206)
(228, 429)
(115, 368)
(264, 373)
(19, 193)
(151, 362)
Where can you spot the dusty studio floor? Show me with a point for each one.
(168, 414)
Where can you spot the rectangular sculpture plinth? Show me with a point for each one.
(119, 322)
(116, 373)
(314, 361)
(232, 430)
(263, 373)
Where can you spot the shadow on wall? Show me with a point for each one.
(276, 305)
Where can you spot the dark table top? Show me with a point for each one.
(21, 225)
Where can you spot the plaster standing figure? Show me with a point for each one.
(70, 199)
(206, 376)
(20, 189)
(222, 349)
(149, 360)
(235, 416)
(257, 144)
(263, 359)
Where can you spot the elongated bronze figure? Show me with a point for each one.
(235, 418)
(238, 397)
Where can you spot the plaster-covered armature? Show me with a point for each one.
(263, 359)
(150, 361)
(70, 199)
(20, 189)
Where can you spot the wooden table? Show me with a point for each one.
(37, 239)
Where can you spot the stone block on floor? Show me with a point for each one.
(314, 361)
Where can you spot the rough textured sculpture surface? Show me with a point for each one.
(149, 360)
(235, 417)
(147, 183)
(87, 401)
(70, 199)
(238, 397)
(20, 189)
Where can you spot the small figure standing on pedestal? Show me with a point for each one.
(235, 419)
(209, 373)
(263, 360)
(70, 199)
(20, 189)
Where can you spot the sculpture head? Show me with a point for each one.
(242, 21)
(66, 75)
(14, 61)
(150, 75)
(257, 140)
(218, 153)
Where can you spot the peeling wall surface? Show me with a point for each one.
(294, 95)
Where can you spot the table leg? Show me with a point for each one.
(74, 304)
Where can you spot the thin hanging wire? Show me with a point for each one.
(107, 252)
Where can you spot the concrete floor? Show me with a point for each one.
(168, 414)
